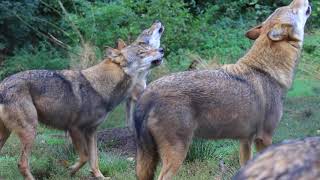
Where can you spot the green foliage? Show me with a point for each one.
(304, 88)
(110, 164)
(103, 24)
(178, 29)
(15, 31)
(115, 118)
(41, 58)
(26, 23)
(315, 16)
(210, 29)
(204, 149)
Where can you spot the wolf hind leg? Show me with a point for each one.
(172, 157)
(130, 106)
(26, 137)
(26, 120)
(4, 131)
(173, 135)
(21, 117)
(146, 163)
(4, 135)
(173, 146)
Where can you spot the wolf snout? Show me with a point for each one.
(160, 26)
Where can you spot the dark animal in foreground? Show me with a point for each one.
(293, 160)
(74, 101)
(241, 101)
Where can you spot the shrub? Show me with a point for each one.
(41, 57)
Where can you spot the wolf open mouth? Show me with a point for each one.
(161, 29)
(156, 62)
(308, 12)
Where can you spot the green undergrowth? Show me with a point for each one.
(52, 152)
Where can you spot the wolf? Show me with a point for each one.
(152, 37)
(73, 101)
(242, 101)
(290, 160)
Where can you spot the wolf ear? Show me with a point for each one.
(280, 32)
(111, 52)
(121, 44)
(277, 33)
(254, 33)
(115, 56)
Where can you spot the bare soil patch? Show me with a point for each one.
(118, 140)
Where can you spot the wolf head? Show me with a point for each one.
(285, 24)
(143, 54)
(152, 35)
(135, 58)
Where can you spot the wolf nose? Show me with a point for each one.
(161, 50)
(308, 12)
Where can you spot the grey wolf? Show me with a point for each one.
(152, 37)
(242, 101)
(73, 101)
(290, 160)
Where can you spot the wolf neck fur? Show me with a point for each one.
(106, 77)
(278, 59)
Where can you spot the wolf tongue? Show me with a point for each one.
(157, 62)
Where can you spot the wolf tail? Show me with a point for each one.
(147, 155)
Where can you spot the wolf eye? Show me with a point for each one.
(140, 53)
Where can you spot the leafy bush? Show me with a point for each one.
(26, 23)
(41, 58)
(315, 16)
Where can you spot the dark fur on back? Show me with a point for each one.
(57, 96)
(291, 160)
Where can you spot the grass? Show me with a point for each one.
(52, 153)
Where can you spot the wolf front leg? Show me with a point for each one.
(132, 100)
(263, 143)
(130, 105)
(26, 137)
(245, 151)
(80, 144)
(93, 155)
(22, 118)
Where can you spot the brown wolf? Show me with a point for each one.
(291, 160)
(74, 101)
(152, 37)
(238, 101)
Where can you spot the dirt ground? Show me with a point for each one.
(118, 140)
